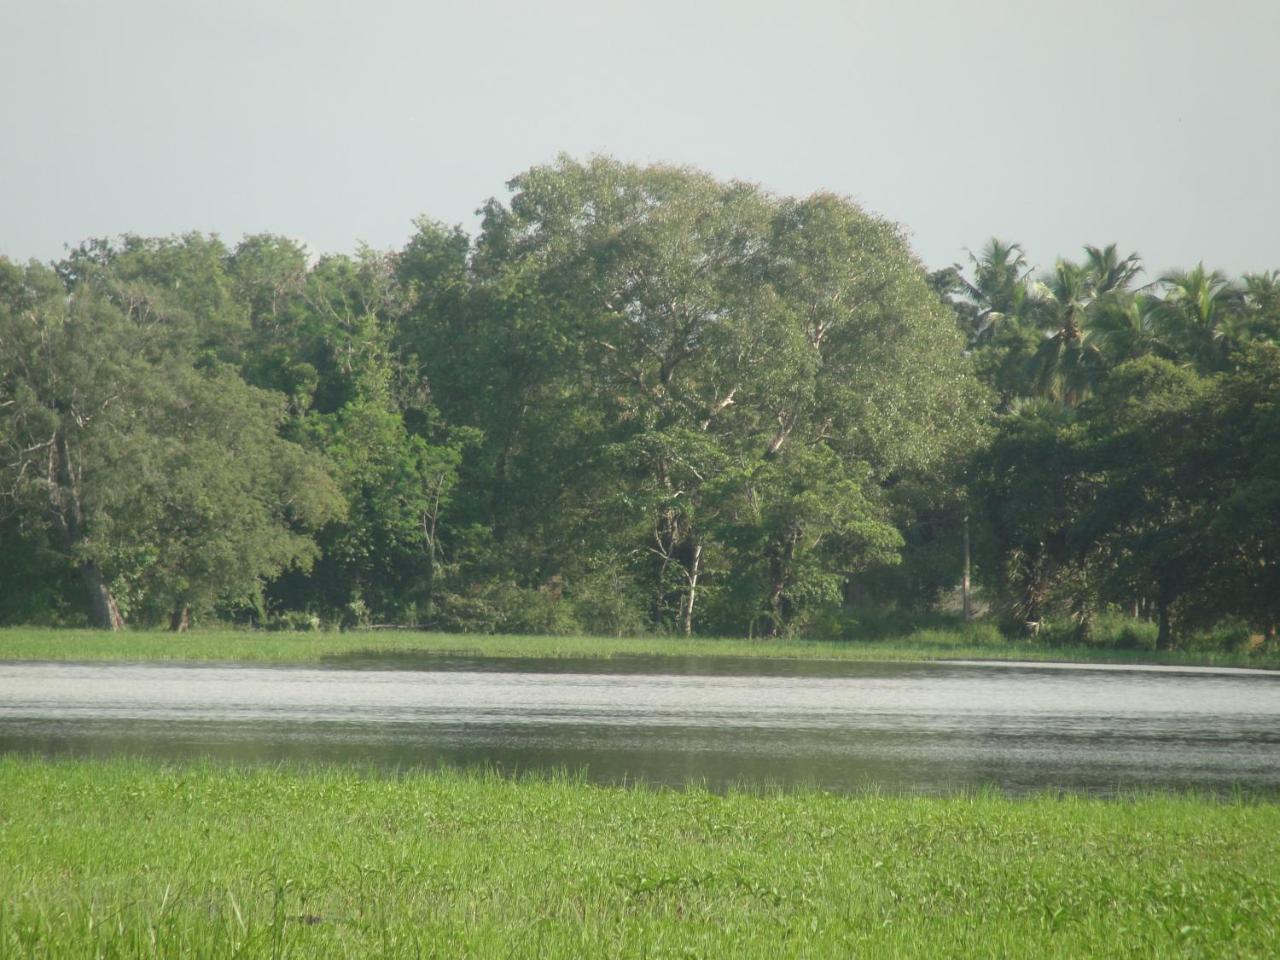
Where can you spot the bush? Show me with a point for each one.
(606, 602)
(292, 620)
(501, 606)
(1059, 633)
(1119, 632)
(1232, 636)
(880, 623)
(1109, 631)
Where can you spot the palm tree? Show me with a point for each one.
(1106, 274)
(1196, 315)
(1262, 301)
(1066, 365)
(1000, 288)
(1127, 326)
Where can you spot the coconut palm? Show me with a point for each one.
(1066, 365)
(1106, 273)
(1262, 302)
(1126, 327)
(1197, 314)
(1000, 287)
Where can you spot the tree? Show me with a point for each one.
(383, 556)
(1128, 326)
(161, 483)
(64, 361)
(1156, 493)
(1066, 364)
(207, 503)
(640, 334)
(1000, 289)
(1029, 489)
(1199, 314)
(1106, 273)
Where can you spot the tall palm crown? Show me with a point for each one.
(1108, 274)
(1070, 302)
(1000, 286)
(1127, 326)
(1262, 303)
(1200, 314)
(1065, 366)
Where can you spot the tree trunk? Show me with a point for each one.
(1164, 638)
(964, 583)
(780, 568)
(106, 614)
(692, 576)
(180, 619)
(68, 520)
(775, 609)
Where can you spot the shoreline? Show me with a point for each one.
(973, 644)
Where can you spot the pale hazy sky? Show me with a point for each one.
(1152, 123)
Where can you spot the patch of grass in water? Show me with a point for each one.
(974, 641)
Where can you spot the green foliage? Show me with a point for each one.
(39, 587)
(150, 466)
(293, 620)
(608, 601)
(641, 400)
(709, 381)
(1141, 474)
(508, 608)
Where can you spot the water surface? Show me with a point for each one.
(933, 727)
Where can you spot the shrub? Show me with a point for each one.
(500, 606)
(1231, 635)
(293, 620)
(606, 602)
(1119, 632)
(881, 623)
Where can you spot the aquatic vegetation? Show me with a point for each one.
(124, 858)
(976, 641)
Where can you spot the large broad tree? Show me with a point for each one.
(666, 359)
(155, 471)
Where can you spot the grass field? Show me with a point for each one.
(973, 642)
(125, 859)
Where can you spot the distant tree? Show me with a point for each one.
(1029, 493)
(1066, 364)
(1200, 315)
(159, 482)
(1000, 289)
(1128, 326)
(206, 503)
(641, 334)
(1107, 273)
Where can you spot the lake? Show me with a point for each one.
(927, 727)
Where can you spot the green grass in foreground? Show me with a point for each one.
(125, 859)
(974, 642)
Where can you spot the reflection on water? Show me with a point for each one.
(842, 726)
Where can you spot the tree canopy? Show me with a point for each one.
(640, 398)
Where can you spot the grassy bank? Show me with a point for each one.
(972, 642)
(127, 859)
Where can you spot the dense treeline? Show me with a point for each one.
(1135, 457)
(639, 399)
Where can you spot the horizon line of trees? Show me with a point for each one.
(639, 399)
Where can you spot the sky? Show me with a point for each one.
(1154, 124)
